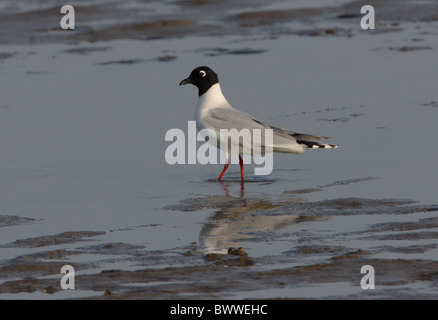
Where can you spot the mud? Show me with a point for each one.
(315, 258)
(62, 238)
(432, 104)
(6, 220)
(165, 58)
(260, 246)
(99, 22)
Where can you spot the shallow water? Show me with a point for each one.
(84, 180)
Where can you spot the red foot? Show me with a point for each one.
(223, 171)
(241, 168)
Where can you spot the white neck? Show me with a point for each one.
(213, 98)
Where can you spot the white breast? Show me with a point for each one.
(213, 98)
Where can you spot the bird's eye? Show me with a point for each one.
(202, 73)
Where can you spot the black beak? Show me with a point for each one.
(185, 81)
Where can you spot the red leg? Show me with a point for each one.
(223, 171)
(241, 167)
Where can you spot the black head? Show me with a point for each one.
(203, 78)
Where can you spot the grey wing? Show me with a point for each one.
(296, 135)
(232, 118)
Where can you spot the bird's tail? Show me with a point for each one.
(316, 145)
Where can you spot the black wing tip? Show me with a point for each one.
(316, 145)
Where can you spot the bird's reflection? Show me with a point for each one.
(226, 188)
(238, 219)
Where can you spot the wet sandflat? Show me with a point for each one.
(314, 256)
(84, 182)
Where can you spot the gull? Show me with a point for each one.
(214, 112)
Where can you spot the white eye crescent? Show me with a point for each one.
(202, 73)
